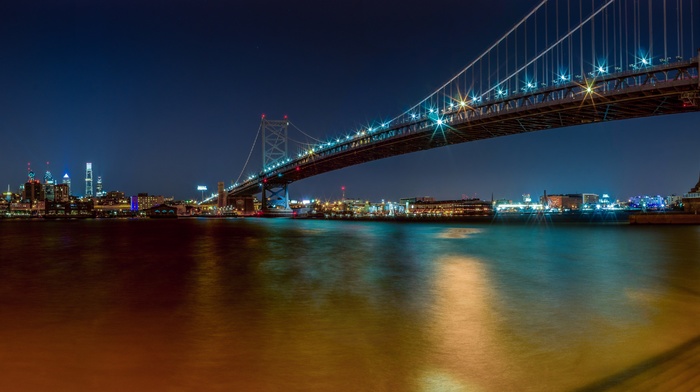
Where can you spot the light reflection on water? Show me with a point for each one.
(281, 304)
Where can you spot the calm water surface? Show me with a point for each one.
(289, 305)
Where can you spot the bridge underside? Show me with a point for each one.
(653, 99)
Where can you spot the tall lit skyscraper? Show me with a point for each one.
(99, 187)
(66, 180)
(48, 177)
(48, 184)
(88, 179)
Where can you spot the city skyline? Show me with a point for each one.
(170, 97)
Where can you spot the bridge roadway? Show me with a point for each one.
(665, 89)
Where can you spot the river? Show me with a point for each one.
(314, 305)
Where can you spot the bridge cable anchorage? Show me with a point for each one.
(257, 135)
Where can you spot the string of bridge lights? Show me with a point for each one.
(527, 67)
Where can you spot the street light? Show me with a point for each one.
(202, 188)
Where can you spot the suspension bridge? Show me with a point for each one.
(565, 63)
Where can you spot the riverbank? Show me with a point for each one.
(665, 219)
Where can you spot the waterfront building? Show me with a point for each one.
(563, 202)
(66, 180)
(450, 208)
(691, 200)
(69, 209)
(242, 205)
(88, 179)
(590, 199)
(114, 197)
(143, 201)
(647, 202)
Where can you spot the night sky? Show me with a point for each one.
(162, 96)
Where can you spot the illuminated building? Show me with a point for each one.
(66, 180)
(647, 202)
(691, 200)
(563, 202)
(589, 198)
(143, 201)
(114, 197)
(88, 179)
(48, 185)
(48, 178)
(33, 190)
(69, 209)
(466, 207)
(99, 193)
(61, 193)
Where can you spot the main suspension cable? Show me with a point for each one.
(249, 153)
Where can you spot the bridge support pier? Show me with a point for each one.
(274, 150)
(276, 203)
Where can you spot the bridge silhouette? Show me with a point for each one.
(566, 63)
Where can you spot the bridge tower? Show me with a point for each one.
(274, 145)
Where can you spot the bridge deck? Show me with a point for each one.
(656, 91)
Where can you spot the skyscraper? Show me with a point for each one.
(66, 180)
(99, 187)
(88, 179)
(49, 184)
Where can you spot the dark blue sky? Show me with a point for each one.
(162, 96)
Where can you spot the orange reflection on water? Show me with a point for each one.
(468, 351)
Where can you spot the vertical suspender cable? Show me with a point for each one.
(680, 10)
(525, 49)
(516, 62)
(593, 59)
(568, 28)
(556, 33)
(665, 43)
(692, 31)
(627, 35)
(614, 20)
(580, 20)
(678, 28)
(634, 18)
(651, 34)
